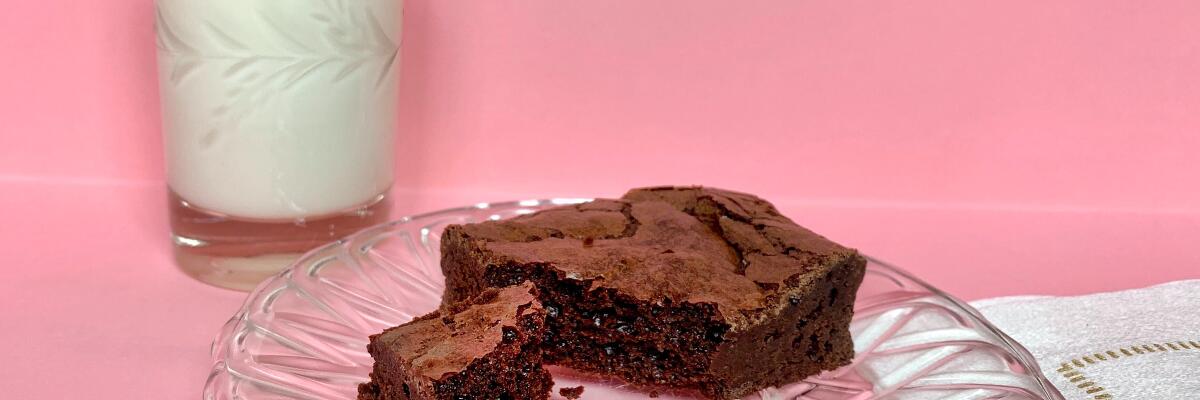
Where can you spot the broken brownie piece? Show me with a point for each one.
(483, 348)
(682, 287)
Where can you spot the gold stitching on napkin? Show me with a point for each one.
(1075, 376)
(1070, 370)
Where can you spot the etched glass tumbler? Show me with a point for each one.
(279, 124)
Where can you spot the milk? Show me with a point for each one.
(278, 110)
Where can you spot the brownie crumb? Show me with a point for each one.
(571, 392)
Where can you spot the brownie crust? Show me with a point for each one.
(671, 286)
(486, 347)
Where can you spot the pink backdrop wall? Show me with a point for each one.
(993, 147)
(1009, 104)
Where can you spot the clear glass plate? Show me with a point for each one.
(303, 334)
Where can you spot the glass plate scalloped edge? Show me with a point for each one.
(303, 333)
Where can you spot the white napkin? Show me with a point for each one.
(1139, 344)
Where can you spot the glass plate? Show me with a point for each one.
(303, 334)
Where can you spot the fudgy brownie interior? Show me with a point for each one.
(678, 287)
(484, 348)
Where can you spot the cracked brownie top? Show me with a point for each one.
(729, 249)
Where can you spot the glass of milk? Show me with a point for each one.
(279, 124)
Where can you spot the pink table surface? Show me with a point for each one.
(994, 148)
(92, 303)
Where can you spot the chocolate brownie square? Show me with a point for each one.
(483, 348)
(682, 287)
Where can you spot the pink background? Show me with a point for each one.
(995, 148)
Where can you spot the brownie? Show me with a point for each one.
(681, 287)
(483, 348)
(571, 393)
